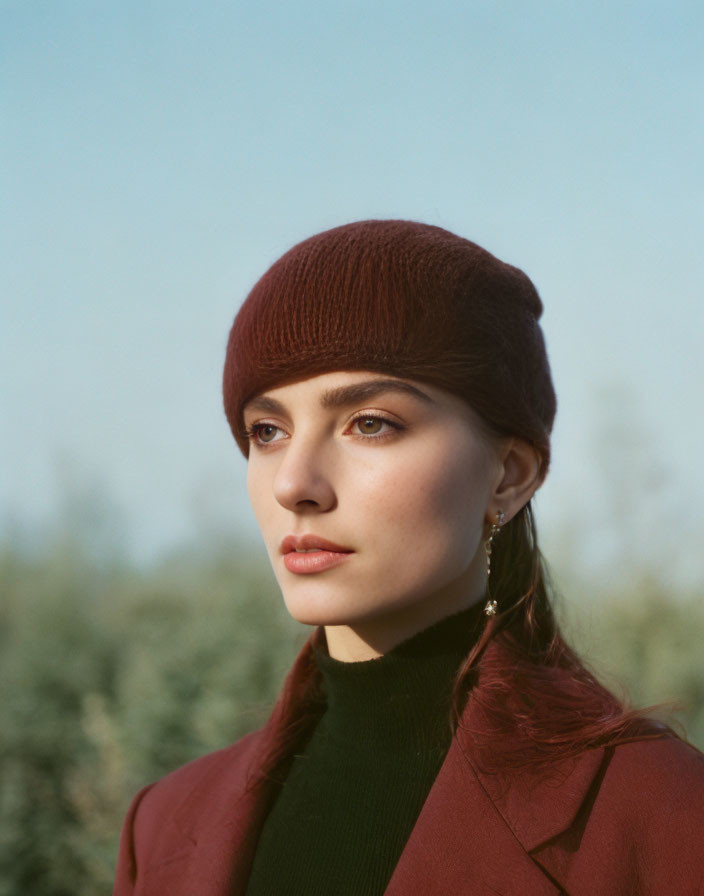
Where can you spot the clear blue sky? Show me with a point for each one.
(157, 156)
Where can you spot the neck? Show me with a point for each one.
(373, 638)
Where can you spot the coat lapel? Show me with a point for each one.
(218, 825)
(222, 857)
(539, 807)
(476, 830)
(461, 844)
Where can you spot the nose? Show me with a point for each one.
(303, 481)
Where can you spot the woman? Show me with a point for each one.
(389, 384)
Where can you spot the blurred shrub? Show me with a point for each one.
(111, 677)
(645, 643)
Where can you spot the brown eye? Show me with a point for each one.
(370, 426)
(266, 432)
(377, 428)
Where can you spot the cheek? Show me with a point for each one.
(433, 500)
(259, 490)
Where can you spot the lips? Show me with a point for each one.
(311, 543)
(306, 554)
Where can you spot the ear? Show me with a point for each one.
(517, 479)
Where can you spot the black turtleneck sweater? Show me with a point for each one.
(352, 796)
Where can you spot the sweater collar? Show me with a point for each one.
(401, 699)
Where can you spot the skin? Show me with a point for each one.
(407, 480)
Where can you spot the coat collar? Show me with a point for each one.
(511, 815)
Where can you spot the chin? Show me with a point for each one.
(334, 608)
(328, 611)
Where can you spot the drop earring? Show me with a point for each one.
(492, 606)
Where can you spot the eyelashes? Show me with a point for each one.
(378, 428)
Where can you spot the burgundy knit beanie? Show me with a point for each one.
(402, 298)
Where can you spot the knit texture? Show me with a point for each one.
(401, 298)
(352, 796)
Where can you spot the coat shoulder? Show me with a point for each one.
(639, 829)
(661, 780)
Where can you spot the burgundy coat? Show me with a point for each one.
(619, 821)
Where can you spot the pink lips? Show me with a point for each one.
(320, 554)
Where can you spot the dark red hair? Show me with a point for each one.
(538, 700)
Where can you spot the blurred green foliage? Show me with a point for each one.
(111, 676)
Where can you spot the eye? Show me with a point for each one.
(264, 433)
(374, 426)
(370, 426)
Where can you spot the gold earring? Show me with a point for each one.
(492, 607)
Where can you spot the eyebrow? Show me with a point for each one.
(343, 396)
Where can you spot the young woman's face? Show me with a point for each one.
(371, 493)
